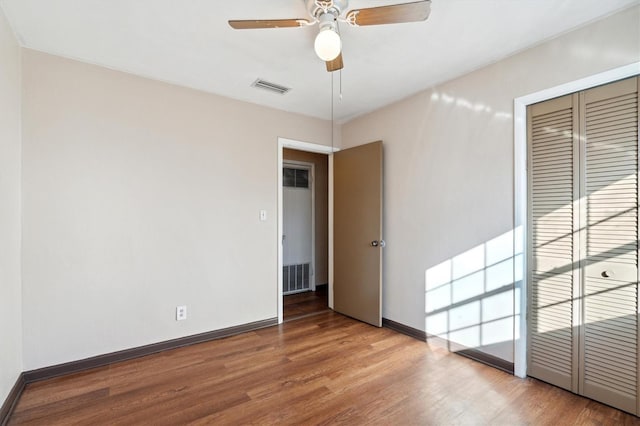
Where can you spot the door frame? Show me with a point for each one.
(312, 175)
(520, 210)
(308, 147)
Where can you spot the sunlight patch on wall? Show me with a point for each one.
(469, 298)
(478, 107)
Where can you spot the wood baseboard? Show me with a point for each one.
(404, 329)
(490, 360)
(474, 354)
(12, 399)
(113, 357)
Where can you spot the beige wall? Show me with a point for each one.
(140, 196)
(449, 184)
(321, 208)
(10, 287)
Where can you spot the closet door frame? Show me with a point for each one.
(580, 223)
(521, 221)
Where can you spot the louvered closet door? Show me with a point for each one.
(583, 250)
(609, 343)
(552, 191)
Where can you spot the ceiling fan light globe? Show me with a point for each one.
(328, 44)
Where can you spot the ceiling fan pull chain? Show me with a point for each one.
(331, 74)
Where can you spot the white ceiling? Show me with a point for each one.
(190, 43)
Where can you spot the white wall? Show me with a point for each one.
(449, 184)
(139, 196)
(10, 287)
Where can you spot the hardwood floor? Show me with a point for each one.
(321, 369)
(303, 304)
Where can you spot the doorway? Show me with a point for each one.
(362, 172)
(305, 236)
(298, 233)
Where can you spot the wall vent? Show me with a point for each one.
(272, 87)
(296, 278)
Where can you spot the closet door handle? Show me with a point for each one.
(607, 274)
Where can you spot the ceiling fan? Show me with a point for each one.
(327, 14)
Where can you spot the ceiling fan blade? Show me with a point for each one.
(335, 64)
(250, 24)
(392, 14)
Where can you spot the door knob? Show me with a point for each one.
(376, 243)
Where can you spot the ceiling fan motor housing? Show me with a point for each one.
(327, 20)
(317, 8)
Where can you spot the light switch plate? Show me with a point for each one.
(263, 215)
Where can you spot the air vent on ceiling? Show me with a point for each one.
(273, 87)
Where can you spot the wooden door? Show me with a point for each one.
(358, 243)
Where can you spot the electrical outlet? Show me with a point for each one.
(181, 313)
